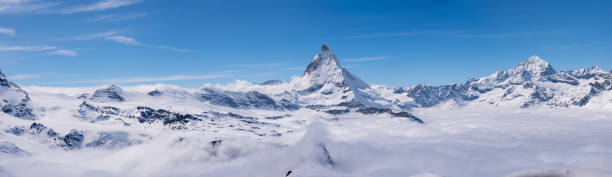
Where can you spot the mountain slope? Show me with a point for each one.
(13, 100)
(325, 86)
(534, 82)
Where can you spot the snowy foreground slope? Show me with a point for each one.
(527, 121)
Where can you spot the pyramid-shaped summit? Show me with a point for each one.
(325, 69)
(532, 69)
(535, 66)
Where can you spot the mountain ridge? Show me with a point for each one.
(534, 81)
(327, 87)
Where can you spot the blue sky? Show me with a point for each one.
(189, 43)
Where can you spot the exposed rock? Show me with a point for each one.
(113, 140)
(271, 82)
(404, 114)
(13, 100)
(111, 93)
(155, 93)
(18, 130)
(73, 140)
(96, 113)
(8, 148)
(251, 99)
(149, 115)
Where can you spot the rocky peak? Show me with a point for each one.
(110, 93)
(325, 68)
(536, 66)
(589, 73)
(326, 60)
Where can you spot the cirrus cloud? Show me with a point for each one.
(123, 40)
(27, 48)
(64, 52)
(7, 31)
(23, 76)
(101, 5)
(145, 79)
(366, 59)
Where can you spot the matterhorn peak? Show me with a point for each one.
(325, 60)
(325, 68)
(326, 49)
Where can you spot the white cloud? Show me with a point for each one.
(262, 65)
(23, 76)
(96, 35)
(172, 48)
(19, 6)
(36, 48)
(123, 40)
(27, 48)
(350, 66)
(295, 68)
(101, 5)
(36, 6)
(7, 31)
(147, 79)
(64, 52)
(116, 36)
(118, 17)
(365, 59)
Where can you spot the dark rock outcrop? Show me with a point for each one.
(73, 140)
(150, 115)
(111, 93)
(113, 140)
(96, 113)
(13, 100)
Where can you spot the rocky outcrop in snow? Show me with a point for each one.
(111, 93)
(13, 100)
(249, 99)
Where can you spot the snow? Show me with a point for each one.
(454, 142)
(491, 135)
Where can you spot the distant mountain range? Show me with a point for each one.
(327, 87)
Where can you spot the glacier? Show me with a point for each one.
(529, 120)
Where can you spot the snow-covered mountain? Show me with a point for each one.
(130, 128)
(325, 86)
(534, 82)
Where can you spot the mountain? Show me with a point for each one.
(325, 89)
(531, 83)
(329, 88)
(325, 86)
(110, 93)
(325, 69)
(281, 127)
(13, 100)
